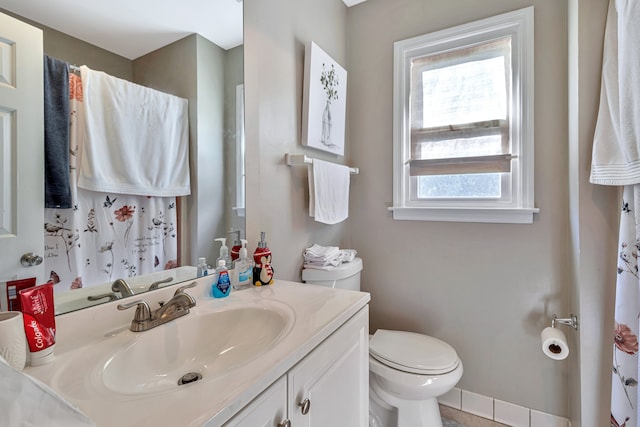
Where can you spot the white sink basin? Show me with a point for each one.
(210, 344)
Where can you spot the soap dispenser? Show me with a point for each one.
(243, 269)
(262, 272)
(203, 268)
(237, 245)
(224, 251)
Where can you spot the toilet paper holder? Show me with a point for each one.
(571, 321)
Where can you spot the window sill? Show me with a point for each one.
(489, 215)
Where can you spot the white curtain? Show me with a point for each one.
(624, 385)
(105, 236)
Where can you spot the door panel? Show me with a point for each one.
(21, 148)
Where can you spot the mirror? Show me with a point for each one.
(216, 205)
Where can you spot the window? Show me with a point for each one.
(463, 123)
(240, 146)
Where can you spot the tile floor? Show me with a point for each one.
(457, 418)
(446, 422)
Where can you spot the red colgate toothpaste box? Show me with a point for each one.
(9, 298)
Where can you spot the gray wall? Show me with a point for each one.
(276, 32)
(488, 289)
(594, 214)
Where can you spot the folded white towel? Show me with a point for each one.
(136, 139)
(25, 401)
(326, 257)
(616, 145)
(328, 192)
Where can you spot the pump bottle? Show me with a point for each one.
(224, 251)
(203, 268)
(243, 269)
(263, 271)
(235, 249)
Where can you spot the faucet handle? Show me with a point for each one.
(181, 289)
(143, 312)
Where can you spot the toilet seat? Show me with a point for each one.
(413, 353)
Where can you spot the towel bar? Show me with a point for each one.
(302, 159)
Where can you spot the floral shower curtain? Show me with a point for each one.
(624, 385)
(105, 236)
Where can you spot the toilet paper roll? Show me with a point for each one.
(554, 343)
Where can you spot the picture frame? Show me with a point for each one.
(324, 101)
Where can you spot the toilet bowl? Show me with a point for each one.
(407, 374)
(407, 371)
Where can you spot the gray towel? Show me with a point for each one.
(57, 189)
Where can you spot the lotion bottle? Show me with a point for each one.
(221, 286)
(243, 269)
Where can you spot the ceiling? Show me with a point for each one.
(132, 28)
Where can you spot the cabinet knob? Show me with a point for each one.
(305, 405)
(285, 423)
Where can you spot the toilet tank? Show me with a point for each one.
(345, 276)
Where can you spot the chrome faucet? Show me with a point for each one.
(123, 287)
(156, 285)
(177, 306)
(111, 295)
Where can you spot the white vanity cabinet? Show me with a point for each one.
(327, 387)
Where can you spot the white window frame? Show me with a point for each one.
(520, 209)
(239, 207)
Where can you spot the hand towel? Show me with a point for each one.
(25, 401)
(616, 145)
(57, 189)
(328, 192)
(136, 139)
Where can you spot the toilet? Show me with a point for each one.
(407, 371)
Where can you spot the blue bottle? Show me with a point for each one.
(221, 285)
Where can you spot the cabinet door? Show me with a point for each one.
(269, 409)
(334, 379)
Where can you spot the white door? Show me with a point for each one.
(21, 148)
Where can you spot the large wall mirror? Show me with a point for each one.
(189, 65)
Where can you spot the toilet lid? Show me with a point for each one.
(414, 353)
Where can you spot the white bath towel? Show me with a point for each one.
(328, 192)
(616, 145)
(136, 138)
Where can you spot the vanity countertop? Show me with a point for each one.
(317, 312)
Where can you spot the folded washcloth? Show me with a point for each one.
(25, 401)
(326, 257)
